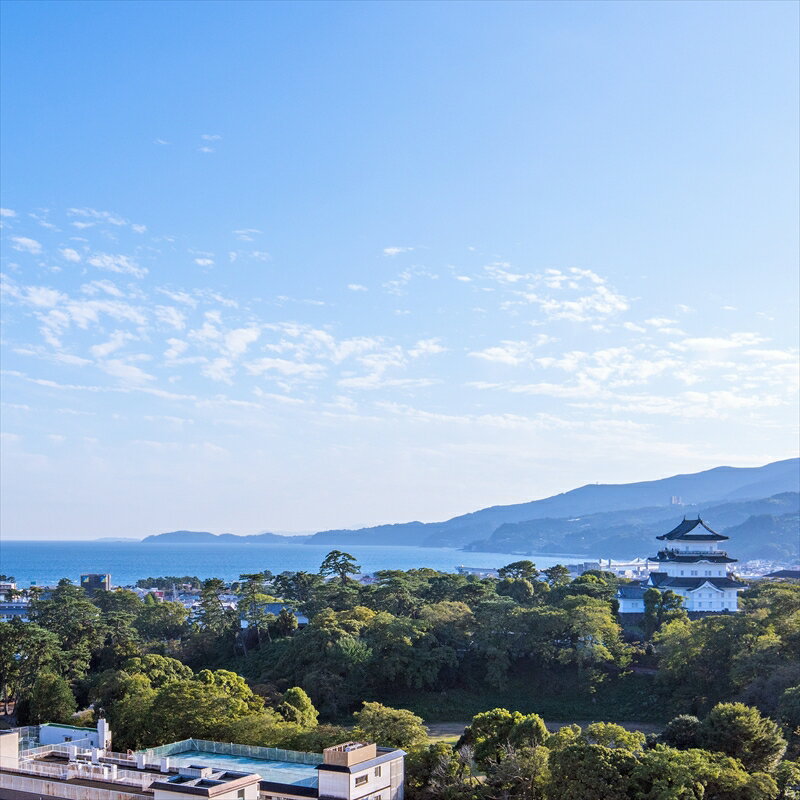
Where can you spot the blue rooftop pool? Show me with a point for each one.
(287, 772)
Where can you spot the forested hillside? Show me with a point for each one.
(763, 528)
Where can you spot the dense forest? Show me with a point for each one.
(505, 651)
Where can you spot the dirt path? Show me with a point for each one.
(446, 731)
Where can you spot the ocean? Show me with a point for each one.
(44, 563)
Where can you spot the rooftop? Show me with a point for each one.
(694, 556)
(204, 781)
(290, 773)
(664, 581)
(684, 532)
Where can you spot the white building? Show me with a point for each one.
(692, 566)
(63, 762)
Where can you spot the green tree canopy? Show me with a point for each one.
(339, 564)
(297, 707)
(742, 732)
(590, 772)
(390, 727)
(519, 569)
(682, 732)
(51, 700)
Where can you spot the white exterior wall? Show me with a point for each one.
(9, 750)
(58, 789)
(628, 606)
(58, 734)
(699, 569)
(334, 784)
(709, 598)
(681, 546)
(343, 785)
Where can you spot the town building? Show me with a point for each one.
(94, 582)
(691, 564)
(64, 762)
(13, 602)
(8, 591)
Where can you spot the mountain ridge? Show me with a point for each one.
(716, 485)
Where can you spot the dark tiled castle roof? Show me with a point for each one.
(631, 591)
(692, 530)
(663, 581)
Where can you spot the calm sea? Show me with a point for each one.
(45, 563)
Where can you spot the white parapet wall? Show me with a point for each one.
(9, 749)
(44, 788)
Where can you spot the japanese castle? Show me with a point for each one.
(691, 565)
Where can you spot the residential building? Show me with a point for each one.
(691, 564)
(64, 762)
(8, 591)
(14, 609)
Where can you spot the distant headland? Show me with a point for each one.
(761, 503)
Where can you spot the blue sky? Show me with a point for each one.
(291, 266)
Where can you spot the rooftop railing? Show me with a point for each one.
(230, 749)
(82, 767)
(44, 787)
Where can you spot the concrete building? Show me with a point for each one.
(64, 762)
(691, 564)
(92, 582)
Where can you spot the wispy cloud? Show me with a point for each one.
(26, 245)
(117, 263)
(69, 254)
(246, 234)
(396, 251)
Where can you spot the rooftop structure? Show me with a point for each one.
(93, 582)
(71, 763)
(480, 572)
(690, 565)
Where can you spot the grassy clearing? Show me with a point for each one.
(450, 732)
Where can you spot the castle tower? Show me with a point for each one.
(692, 565)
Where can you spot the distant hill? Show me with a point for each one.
(609, 520)
(713, 485)
(204, 537)
(775, 537)
(758, 529)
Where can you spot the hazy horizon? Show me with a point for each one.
(275, 266)
(354, 526)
